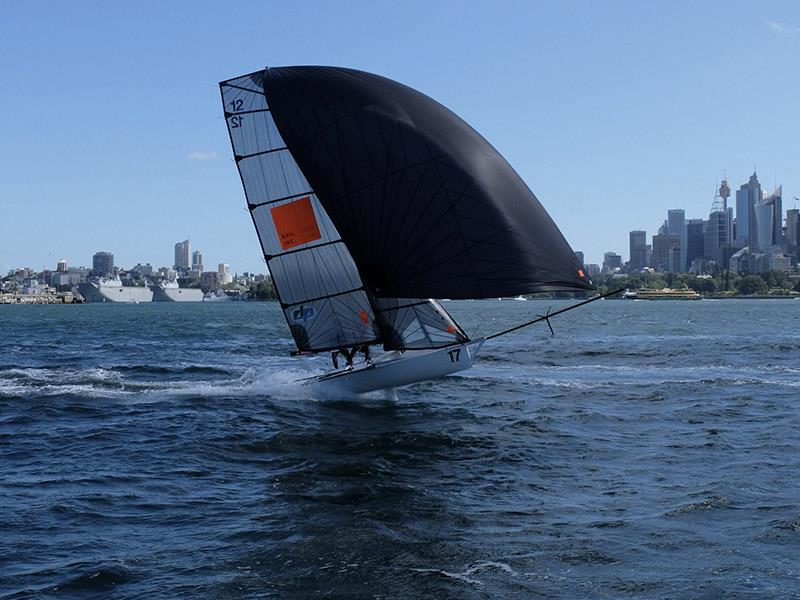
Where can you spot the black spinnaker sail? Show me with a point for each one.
(371, 198)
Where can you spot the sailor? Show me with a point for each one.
(367, 357)
(349, 354)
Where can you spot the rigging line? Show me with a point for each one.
(553, 314)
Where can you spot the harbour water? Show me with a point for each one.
(648, 450)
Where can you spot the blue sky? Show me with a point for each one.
(613, 112)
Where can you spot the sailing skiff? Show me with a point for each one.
(370, 200)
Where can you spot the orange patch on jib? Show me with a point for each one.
(295, 223)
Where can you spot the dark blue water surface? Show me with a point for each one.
(649, 450)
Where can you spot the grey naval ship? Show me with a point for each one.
(170, 291)
(110, 289)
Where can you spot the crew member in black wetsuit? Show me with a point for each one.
(349, 354)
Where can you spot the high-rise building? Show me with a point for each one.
(719, 229)
(62, 266)
(769, 222)
(197, 262)
(792, 230)
(695, 240)
(579, 256)
(663, 252)
(676, 225)
(747, 196)
(638, 250)
(611, 261)
(224, 273)
(182, 253)
(792, 219)
(103, 263)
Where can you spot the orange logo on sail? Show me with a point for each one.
(295, 223)
(581, 273)
(364, 317)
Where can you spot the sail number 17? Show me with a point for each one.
(454, 355)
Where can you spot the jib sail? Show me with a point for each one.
(324, 299)
(320, 290)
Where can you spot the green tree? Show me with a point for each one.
(776, 279)
(752, 284)
(263, 291)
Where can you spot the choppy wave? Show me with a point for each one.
(642, 452)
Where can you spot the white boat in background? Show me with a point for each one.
(110, 289)
(170, 291)
(520, 299)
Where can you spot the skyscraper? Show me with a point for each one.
(719, 230)
(792, 219)
(695, 242)
(769, 221)
(182, 253)
(777, 223)
(611, 261)
(638, 250)
(792, 232)
(663, 252)
(676, 225)
(747, 196)
(224, 273)
(62, 266)
(197, 262)
(103, 263)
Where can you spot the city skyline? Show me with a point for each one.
(106, 257)
(751, 239)
(675, 216)
(129, 145)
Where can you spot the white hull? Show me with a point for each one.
(398, 369)
(161, 294)
(93, 292)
